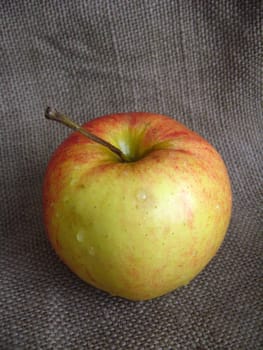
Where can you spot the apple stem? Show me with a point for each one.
(53, 114)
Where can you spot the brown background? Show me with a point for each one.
(197, 61)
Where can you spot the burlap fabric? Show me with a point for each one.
(197, 61)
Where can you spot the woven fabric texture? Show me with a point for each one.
(196, 61)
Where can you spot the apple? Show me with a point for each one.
(135, 204)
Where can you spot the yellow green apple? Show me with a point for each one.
(138, 205)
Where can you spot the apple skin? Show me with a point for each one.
(142, 228)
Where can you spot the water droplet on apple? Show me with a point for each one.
(91, 251)
(124, 146)
(141, 196)
(218, 206)
(80, 236)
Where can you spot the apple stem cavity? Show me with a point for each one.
(53, 114)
